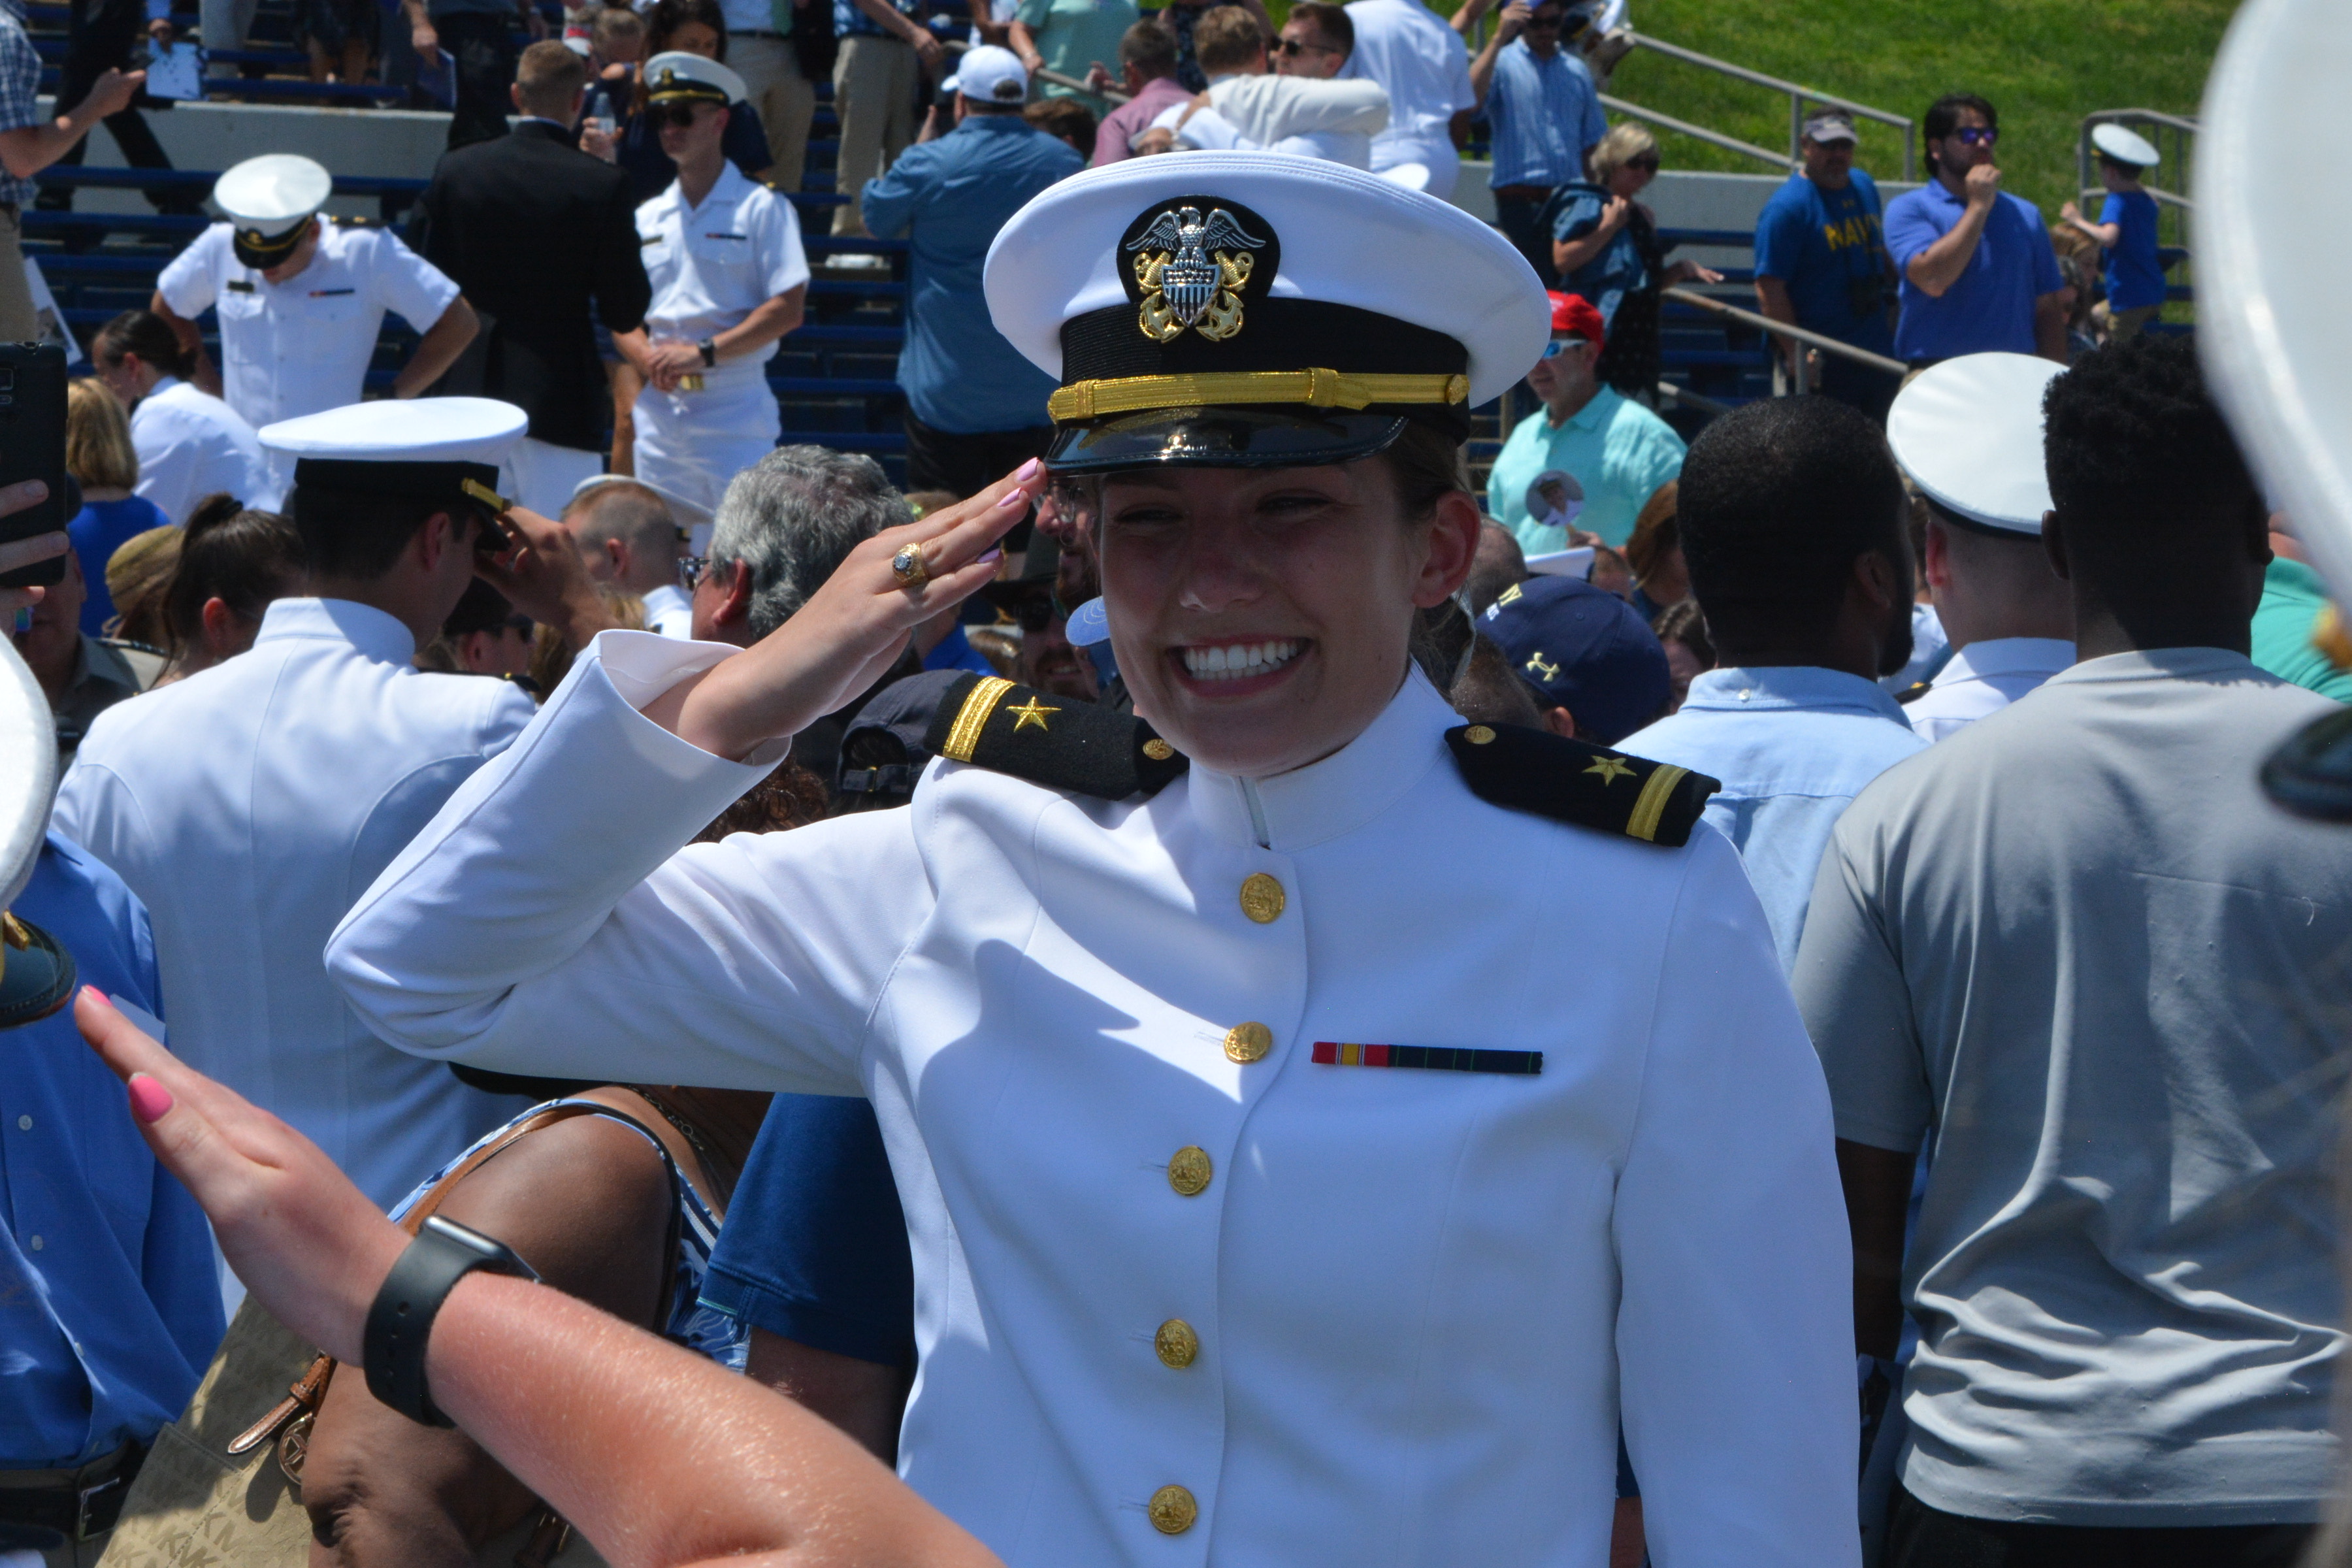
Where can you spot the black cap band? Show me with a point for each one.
(260, 251)
(323, 481)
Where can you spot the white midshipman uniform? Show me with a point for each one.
(1210, 1268)
(191, 445)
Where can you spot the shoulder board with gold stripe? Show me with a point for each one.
(1571, 781)
(341, 221)
(1057, 742)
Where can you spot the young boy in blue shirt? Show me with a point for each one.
(2126, 228)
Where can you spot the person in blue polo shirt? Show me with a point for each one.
(1821, 263)
(2126, 230)
(1978, 274)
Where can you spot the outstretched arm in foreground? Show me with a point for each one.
(659, 1457)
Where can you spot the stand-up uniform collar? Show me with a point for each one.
(1325, 800)
(364, 626)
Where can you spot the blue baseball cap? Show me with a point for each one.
(1582, 649)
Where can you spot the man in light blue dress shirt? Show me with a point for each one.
(1791, 520)
(1545, 115)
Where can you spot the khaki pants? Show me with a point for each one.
(785, 101)
(2122, 326)
(874, 83)
(18, 322)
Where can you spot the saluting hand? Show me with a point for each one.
(542, 576)
(852, 630)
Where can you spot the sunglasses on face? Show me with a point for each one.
(1648, 165)
(692, 569)
(1291, 48)
(1976, 135)
(666, 114)
(1559, 346)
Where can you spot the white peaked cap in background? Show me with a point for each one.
(1969, 433)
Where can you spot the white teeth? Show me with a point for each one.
(1225, 661)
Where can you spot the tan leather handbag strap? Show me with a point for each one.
(307, 1393)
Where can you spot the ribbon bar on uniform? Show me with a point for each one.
(1314, 388)
(1434, 1058)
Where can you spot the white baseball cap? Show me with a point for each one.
(990, 75)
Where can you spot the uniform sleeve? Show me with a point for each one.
(785, 262)
(1856, 1004)
(888, 204)
(1779, 239)
(1910, 229)
(828, 1264)
(409, 286)
(1734, 1322)
(1457, 66)
(192, 281)
(547, 922)
(169, 457)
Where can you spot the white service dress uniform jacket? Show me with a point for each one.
(247, 805)
(1417, 1295)
(303, 346)
(192, 445)
(711, 266)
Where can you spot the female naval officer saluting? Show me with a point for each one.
(1319, 1122)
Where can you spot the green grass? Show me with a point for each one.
(2043, 63)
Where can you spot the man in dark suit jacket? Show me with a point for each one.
(534, 230)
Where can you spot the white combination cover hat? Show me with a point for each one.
(675, 76)
(268, 202)
(1254, 310)
(2125, 146)
(1969, 433)
(443, 451)
(36, 976)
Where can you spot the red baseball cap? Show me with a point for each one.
(1575, 313)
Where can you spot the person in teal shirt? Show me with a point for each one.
(1617, 450)
(2293, 600)
(1071, 37)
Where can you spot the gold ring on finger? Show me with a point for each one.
(907, 566)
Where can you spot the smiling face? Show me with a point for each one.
(1260, 617)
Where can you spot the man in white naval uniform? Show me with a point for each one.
(1267, 1205)
(728, 279)
(248, 805)
(631, 535)
(1968, 432)
(301, 299)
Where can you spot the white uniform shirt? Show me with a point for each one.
(190, 445)
(669, 611)
(1418, 56)
(247, 806)
(303, 346)
(713, 265)
(1420, 1297)
(1983, 678)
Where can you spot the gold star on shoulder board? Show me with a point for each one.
(1030, 713)
(1611, 769)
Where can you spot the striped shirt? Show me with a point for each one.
(20, 84)
(1546, 116)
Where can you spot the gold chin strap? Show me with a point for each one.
(1314, 388)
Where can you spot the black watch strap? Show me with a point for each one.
(709, 347)
(400, 1323)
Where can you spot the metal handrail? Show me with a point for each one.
(1717, 138)
(1802, 335)
(1108, 94)
(1799, 97)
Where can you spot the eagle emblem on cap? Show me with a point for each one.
(1191, 270)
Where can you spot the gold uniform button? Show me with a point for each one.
(1158, 751)
(1263, 899)
(1248, 1042)
(1189, 1171)
(1177, 1343)
(1479, 735)
(1173, 1510)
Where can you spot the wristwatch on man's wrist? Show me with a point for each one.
(709, 347)
(400, 1323)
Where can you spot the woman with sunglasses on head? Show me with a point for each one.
(1266, 1190)
(1605, 247)
(1979, 275)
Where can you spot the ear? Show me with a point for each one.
(434, 541)
(1939, 563)
(2053, 546)
(736, 605)
(617, 551)
(514, 96)
(217, 626)
(1452, 549)
(1877, 579)
(1561, 723)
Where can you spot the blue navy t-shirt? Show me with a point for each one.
(1825, 246)
(2135, 276)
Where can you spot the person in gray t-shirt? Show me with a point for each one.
(2076, 951)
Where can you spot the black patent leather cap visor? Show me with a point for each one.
(1223, 438)
(35, 979)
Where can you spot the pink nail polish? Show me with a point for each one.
(95, 994)
(992, 554)
(1029, 470)
(1015, 497)
(149, 1099)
